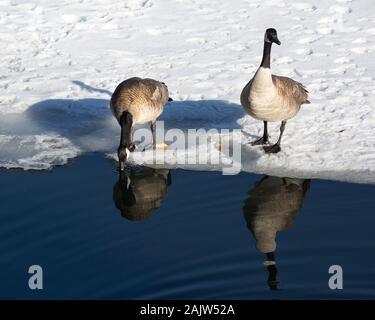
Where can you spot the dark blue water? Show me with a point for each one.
(98, 237)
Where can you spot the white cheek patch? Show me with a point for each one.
(127, 152)
(266, 38)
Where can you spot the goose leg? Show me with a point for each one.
(153, 130)
(276, 147)
(264, 139)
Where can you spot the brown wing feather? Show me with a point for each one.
(133, 94)
(291, 89)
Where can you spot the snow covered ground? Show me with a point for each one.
(61, 60)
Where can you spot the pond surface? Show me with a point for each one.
(182, 234)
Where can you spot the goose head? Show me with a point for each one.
(271, 36)
(166, 89)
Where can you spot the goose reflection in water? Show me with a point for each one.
(138, 194)
(271, 206)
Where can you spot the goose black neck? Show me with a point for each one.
(266, 61)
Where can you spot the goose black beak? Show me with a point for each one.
(277, 41)
(170, 99)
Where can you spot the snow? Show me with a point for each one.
(60, 61)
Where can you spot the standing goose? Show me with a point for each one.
(137, 101)
(272, 98)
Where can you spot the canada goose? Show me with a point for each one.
(272, 98)
(138, 195)
(271, 206)
(137, 101)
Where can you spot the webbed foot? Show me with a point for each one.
(272, 149)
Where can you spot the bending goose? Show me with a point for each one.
(272, 98)
(137, 101)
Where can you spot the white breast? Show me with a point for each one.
(262, 90)
(147, 114)
(263, 98)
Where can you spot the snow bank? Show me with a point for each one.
(61, 60)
